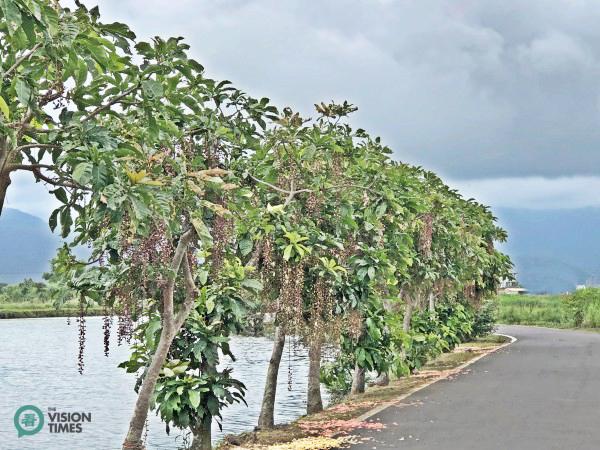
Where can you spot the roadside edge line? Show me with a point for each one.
(378, 409)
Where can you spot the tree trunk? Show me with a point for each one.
(314, 403)
(431, 303)
(358, 380)
(133, 441)
(171, 325)
(408, 310)
(202, 436)
(4, 183)
(267, 410)
(4, 174)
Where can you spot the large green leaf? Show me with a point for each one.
(23, 91)
(4, 108)
(194, 397)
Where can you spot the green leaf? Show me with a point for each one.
(83, 173)
(168, 372)
(210, 305)
(140, 208)
(12, 15)
(213, 406)
(202, 230)
(53, 220)
(152, 88)
(4, 108)
(23, 91)
(218, 391)
(371, 272)
(252, 284)
(66, 221)
(61, 195)
(287, 253)
(194, 397)
(203, 275)
(381, 209)
(277, 209)
(144, 48)
(198, 348)
(153, 327)
(246, 246)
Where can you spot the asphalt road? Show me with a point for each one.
(540, 393)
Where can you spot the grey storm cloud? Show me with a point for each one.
(501, 97)
(472, 88)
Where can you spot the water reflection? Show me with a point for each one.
(38, 366)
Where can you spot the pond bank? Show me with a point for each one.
(333, 427)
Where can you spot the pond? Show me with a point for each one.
(38, 366)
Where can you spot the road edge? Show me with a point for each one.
(380, 408)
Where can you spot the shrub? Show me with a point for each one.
(591, 315)
(337, 378)
(431, 334)
(484, 321)
(583, 307)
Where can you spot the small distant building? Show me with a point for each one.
(513, 291)
(511, 287)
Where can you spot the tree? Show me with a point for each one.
(161, 196)
(191, 390)
(63, 76)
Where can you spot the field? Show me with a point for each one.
(580, 309)
(542, 310)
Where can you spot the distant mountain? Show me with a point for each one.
(26, 246)
(553, 250)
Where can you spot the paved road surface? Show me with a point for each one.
(540, 393)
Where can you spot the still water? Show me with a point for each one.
(38, 366)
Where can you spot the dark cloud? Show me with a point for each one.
(471, 88)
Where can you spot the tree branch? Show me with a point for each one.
(28, 146)
(278, 189)
(191, 294)
(272, 186)
(293, 192)
(36, 169)
(30, 167)
(180, 252)
(20, 60)
(115, 100)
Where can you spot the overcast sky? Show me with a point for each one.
(502, 98)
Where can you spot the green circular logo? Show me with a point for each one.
(29, 420)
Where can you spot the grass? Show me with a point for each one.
(32, 310)
(541, 310)
(332, 427)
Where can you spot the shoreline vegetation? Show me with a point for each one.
(44, 310)
(332, 428)
(580, 309)
(38, 299)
